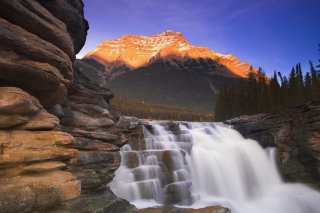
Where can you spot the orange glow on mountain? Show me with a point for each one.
(137, 51)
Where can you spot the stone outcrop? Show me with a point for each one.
(32, 155)
(71, 14)
(99, 136)
(59, 161)
(296, 134)
(85, 115)
(40, 63)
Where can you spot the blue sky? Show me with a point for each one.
(272, 34)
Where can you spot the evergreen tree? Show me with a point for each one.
(293, 88)
(314, 82)
(275, 93)
(307, 88)
(318, 66)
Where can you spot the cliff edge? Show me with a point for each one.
(58, 141)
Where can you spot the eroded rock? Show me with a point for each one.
(22, 146)
(295, 132)
(16, 199)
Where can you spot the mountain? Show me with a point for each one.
(162, 69)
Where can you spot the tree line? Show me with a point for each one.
(258, 94)
(142, 110)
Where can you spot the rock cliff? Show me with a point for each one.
(296, 134)
(58, 141)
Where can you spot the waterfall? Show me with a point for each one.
(196, 165)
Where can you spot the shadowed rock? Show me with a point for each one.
(295, 132)
(71, 13)
(41, 164)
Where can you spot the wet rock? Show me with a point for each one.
(130, 159)
(145, 189)
(127, 123)
(173, 209)
(178, 193)
(295, 132)
(169, 159)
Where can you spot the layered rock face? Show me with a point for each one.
(32, 155)
(296, 134)
(99, 136)
(36, 48)
(129, 52)
(59, 161)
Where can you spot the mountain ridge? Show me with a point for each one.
(131, 52)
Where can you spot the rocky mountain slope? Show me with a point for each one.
(131, 52)
(176, 72)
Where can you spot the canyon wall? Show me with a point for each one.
(58, 141)
(296, 134)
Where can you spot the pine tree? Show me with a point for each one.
(315, 84)
(318, 66)
(307, 88)
(275, 93)
(293, 88)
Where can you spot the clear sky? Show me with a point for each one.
(272, 34)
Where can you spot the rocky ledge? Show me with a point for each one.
(296, 134)
(58, 141)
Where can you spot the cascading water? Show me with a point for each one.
(206, 164)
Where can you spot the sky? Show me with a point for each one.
(271, 34)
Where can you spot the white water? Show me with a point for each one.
(217, 166)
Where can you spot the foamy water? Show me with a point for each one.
(210, 164)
